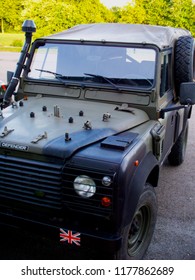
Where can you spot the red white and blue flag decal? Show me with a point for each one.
(70, 237)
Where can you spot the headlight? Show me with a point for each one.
(84, 186)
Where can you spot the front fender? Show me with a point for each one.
(147, 171)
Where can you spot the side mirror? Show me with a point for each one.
(187, 93)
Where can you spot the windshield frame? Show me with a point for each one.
(86, 83)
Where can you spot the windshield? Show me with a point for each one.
(94, 64)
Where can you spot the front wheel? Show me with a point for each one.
(137, 235)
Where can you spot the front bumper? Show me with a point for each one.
(99, 244)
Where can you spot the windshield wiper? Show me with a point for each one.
(61, 78)
(104, 78)
(65, 80)
(58, 76)
(50, 72)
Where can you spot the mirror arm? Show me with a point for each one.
(168, 109)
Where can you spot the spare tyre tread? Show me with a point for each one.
(184, 59)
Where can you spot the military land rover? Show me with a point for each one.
(87, 120)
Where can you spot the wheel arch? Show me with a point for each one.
(147, 172)
(153, 176)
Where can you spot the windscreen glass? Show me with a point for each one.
(95, 64)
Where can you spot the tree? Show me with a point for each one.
(183, 14)
(153, 12)
(2, 15)
(176, 13)
(56, 15)
(10, 11)
(92, 11)
(133, 13)
(157, 11)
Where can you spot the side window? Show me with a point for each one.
(165, 74)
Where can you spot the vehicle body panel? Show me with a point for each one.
(80, 116)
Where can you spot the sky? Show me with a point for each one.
(111, 3)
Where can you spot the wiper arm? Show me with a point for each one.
(50, 72)
(102, 77)
(58, 76)
(61, 78)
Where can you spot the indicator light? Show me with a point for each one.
(136, 163)
(106, 201)
(106, 181)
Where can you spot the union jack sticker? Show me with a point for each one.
(70, 237)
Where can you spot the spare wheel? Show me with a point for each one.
(184, 69)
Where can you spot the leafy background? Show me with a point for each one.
(56, 15)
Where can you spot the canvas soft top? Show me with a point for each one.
(160, 36)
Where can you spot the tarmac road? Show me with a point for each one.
(174, 237)
(8, 62)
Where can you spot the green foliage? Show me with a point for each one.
(53, 16)
(17, 43)
(176, 13)
(10, 11)
(10, 42)
(6, 39)
(183, 14)
(133, 13)
(56, 15)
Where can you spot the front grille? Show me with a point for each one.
(30, 182)
(91, 205)
(43, 185)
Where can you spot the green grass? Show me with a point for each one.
(9, 42)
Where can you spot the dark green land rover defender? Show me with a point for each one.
(87, 120)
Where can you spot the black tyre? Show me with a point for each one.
(137, 235)
(184, 66)
(178, 151)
